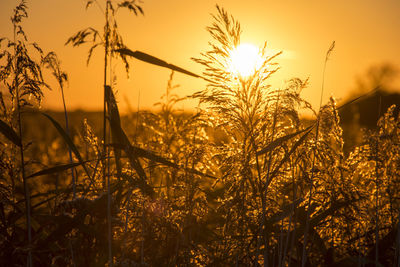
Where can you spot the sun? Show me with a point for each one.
(244, 60)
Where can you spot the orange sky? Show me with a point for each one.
(366, 33)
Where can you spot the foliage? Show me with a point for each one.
(244, 180)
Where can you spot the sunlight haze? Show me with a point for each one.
(366, 34)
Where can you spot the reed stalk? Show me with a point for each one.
(306, 232)
(21, 149)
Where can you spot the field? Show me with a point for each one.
(244, 180)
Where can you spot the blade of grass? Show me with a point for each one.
(115, 120)
(280, 141)
(140, 152)
(68, 140)
(118, 135)
(304, 255)
(10, 134)
(56, 169)
(287, 155)
(155, 61)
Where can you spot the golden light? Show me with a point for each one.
(244, 60)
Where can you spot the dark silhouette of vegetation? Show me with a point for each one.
(243, 181)
(364, 112)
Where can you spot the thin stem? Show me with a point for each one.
(264, 194)
(26, 188)
(106, 177)
(304, 254)
(25, 182)
(397, 254)
(69, 134)
(105, 95)
(377, 193)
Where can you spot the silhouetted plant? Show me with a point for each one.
(22, 76)
(110, 39)
(265, 132)
(52, 62)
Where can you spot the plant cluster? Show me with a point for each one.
(243, 181)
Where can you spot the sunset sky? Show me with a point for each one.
(367, 33)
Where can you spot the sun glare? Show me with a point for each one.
(244, 60)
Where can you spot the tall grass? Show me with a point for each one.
(306, 233)
(23, 78)
(243, 181)
(52, 62)
(111, 40)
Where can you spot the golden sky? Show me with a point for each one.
(367, 33)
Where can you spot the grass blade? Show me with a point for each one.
(55, 169)
(10, 134)
(151, 156)
(119, 136)
(115, 122)
(287, 156)
(280, 140)
(154, 60)
(68, 140)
